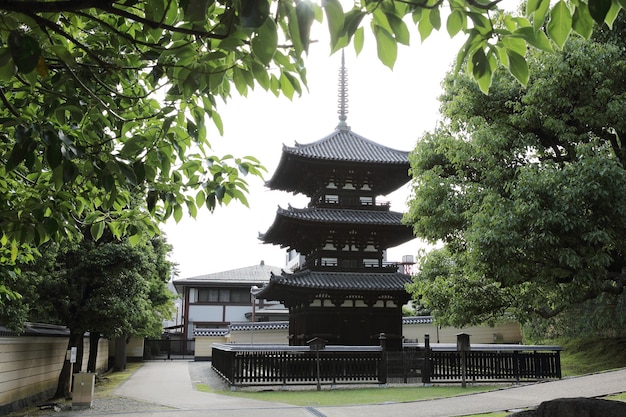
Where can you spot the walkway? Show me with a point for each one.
(169, 384)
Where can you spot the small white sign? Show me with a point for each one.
(73, 351)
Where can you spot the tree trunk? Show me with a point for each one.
(63, 385)
(94, 338)
(119, 363)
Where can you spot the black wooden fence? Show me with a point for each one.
(291, 365)
(245, 365)
(168, 349)
(495, 363)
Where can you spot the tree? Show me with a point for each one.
(105, 99)
(522, 188)
(108, 288)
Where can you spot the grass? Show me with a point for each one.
(584, 356)
(346, 396)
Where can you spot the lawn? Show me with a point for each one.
(344, 396)
(584, 356)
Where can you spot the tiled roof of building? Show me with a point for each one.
(326, 215)
(290, 225)
(259, 325)
(340, 281)
(210, 332)
(248, 275)
(345, 145)
(417, 320)
(278, 325)
(342, 154)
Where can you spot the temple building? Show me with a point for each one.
(345, 291)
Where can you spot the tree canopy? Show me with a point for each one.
(108, 287)
(522, 188)
(104, 100)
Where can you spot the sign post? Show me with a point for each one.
(317, 344)
(71, 356)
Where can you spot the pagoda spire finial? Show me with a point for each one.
(343, 95)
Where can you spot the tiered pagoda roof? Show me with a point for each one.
(342, 153)
(311, 221)
(288, 285)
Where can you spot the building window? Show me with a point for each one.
(208, 295)
(223, 295)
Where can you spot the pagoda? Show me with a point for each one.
(345, 292)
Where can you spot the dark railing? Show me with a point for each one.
(318, 265)
(245, 365)
(490, 362)
(353, 204)
(290, 365)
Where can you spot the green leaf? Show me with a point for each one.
(264, 44)
(481, 70)
(135, 239)
(196, 10)
(352, 21)
(560, 23)
(217, 121)
(305, 16)
(455, 22)
(178, 213)
(386, 46)
(515, 43)
(97, 229)
(18, 154)
(335, 19)
(7, 66)
(582, 22)
(539, 15)
(53, 155)
(260, 75)
(240, 82)
(50, 225)
(536, 38)
(25, 51)
(128, 172)
(425, 27)
(435, 18)
(518, 67)
(598, 9)
(532, 5)
(612, 14)
(400, 30)
(57, 177)
(359, 40)
(253, 13)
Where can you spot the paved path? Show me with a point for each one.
(170, 385)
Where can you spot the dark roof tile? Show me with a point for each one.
(345, 145)
(361, 217)
(340, 281)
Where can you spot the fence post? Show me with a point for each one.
(558, 364)
(426, 370)
(463, 346)
(382, 338)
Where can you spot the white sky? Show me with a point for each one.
(393, 108)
